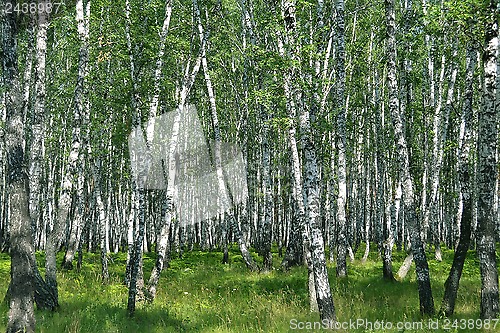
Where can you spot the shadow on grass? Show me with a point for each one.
(199, 294)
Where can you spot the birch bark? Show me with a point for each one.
(487, 169)
(21, 313)
(342, 244)
(422, 269)
(74, 168)
(464, 167)
(311, 189)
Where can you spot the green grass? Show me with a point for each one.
(199, 294)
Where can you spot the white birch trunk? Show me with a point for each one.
(487, 169)
(422, 269)
(342, 245)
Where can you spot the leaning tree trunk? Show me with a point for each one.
(21, 313)
(166, 217)
(422, 268)
(487, 170)
(169, 209)
(223, 189)
(464, 167)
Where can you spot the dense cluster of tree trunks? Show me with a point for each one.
(347, 140)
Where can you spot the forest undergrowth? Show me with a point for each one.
(197, 293)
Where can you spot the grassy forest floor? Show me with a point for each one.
(199, 294)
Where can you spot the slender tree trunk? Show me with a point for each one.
(293, 253)
(464, 169)
(38, 119)
(133, 272)
(101, 220)
(440, 130)
(487, 170)
(266, 232)
(134, 104)
(311, 190)
(342, 244)
(422, 268)
(163, 236)
(56, 236)
(136, 258)
(223, 189)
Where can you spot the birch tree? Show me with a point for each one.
(311, 191)
(224, 196)
(21, 312)
(422, 268)
(464, 169)
(165, 220)
(487, 169)
(171, 169)
(341, 141)
(74, 167)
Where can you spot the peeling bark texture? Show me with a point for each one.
(38, 119)
(44, 299)
(21, 312)
(299, 194)
(313, 236)
(298, 248)
(487, 170)
(422, 268)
